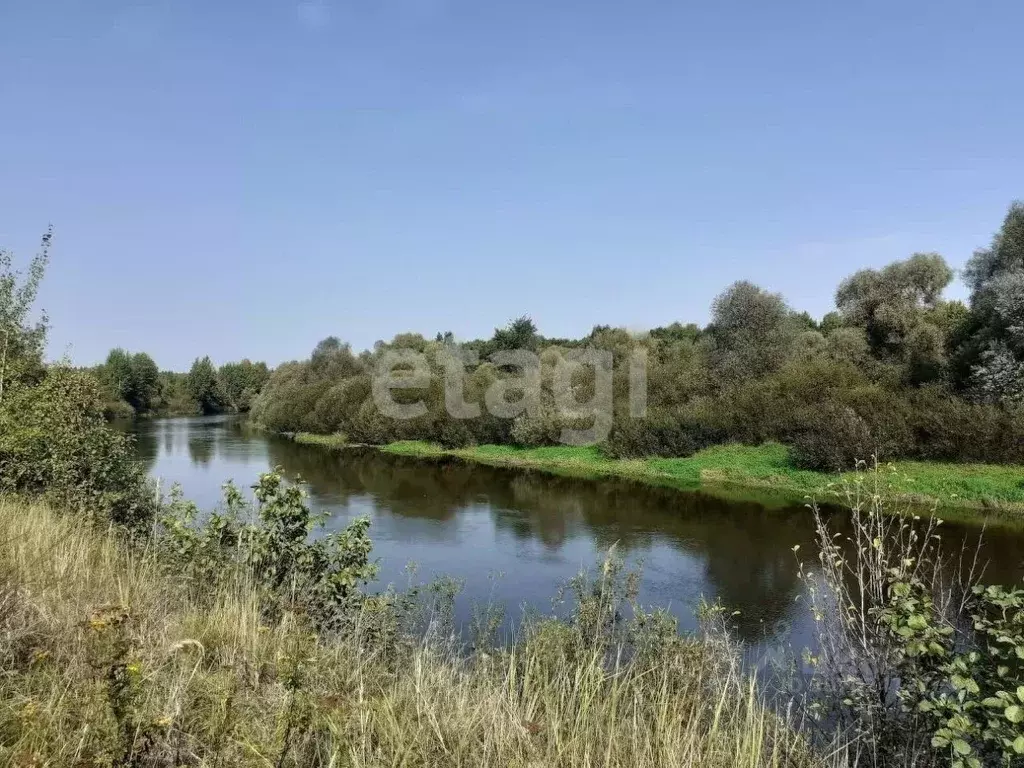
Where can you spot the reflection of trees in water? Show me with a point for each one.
(202, 449)
(745, 549)
(147, 443)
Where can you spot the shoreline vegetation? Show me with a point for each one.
(897, 370)
(138, 630)
(116, 654)
(767, 471)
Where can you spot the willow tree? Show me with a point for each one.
(902, 312)
(751, 333)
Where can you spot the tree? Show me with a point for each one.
(677, 332)
(21, 341)
(131, 378)
(994, 349)
(521, 333)
(202, 386)
(116, 373)
(900, 307)
(145, 382)
(242, 382)
(751, 332)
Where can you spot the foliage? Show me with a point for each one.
(109, 661)
(272, 543)
(918, 662)
(134, 386)
(54, 441)
(203, 386)
(896, 371)
(750, 334)
(21, 340)
(241, 382)
(831, 438)
(994, 349)
(53, 436)
(131, 378)
(895, 303)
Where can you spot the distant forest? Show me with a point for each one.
(896, 370)
(133, 385)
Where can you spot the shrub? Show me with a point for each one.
(888, 415)
(947, 428)
(918, 663)
(318, 577)
(664, 434)
(54, 440)
(831, 438)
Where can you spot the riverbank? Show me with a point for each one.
(114, 658)
(767, 470)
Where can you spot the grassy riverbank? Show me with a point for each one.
(767, 468)
(110, 657)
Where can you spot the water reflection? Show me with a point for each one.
(471, 521)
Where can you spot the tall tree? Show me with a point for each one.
(241, 382)
(21, 340)
(132, 378)
(202, 386)
(750, 334)
(900, 308)
(994, 349)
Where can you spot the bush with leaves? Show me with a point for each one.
(54, 441)
(663, 434)
(918, 664)
(271, 542)
(831, 438)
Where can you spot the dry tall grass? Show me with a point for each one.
(107, 659)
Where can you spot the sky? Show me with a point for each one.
(242, 178)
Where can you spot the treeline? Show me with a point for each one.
(133, 385)
(895, 370)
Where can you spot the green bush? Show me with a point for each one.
(54, 440)
(950, 429)
(917, 660)
(831, 438)
(664, 435)
(318, 577)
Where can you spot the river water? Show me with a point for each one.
(514, 537)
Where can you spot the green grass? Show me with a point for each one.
(111, 658)
(325, 441)
(766, 470)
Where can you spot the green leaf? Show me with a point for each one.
(1018, 745)
(917, 621)
(961, 747)
(1014, 714)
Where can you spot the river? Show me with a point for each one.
(514, 537)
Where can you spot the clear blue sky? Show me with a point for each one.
(242, 178)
